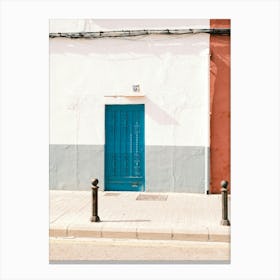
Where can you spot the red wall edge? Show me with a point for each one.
(219, 106)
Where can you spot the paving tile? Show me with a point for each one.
(118, 232)
(219, 234)
(57, 231)
(190, 234)
(154, 233)
(85, 230)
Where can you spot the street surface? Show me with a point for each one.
(96, 249)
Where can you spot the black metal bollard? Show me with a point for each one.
(94, 217)
(224, 191)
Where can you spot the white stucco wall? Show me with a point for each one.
(92, 25)
(172, 71)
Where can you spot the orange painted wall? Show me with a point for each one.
(219, 106)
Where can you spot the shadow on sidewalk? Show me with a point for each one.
(121, 221)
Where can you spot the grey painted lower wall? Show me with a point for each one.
(72, 167)
(175, 169)
(168, 168)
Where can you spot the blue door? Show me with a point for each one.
(124, 148)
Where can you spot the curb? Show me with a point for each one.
(218, 234)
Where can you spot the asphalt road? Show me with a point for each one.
(89, 249)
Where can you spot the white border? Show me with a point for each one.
(255, 138)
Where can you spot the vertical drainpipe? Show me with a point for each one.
(207, 137)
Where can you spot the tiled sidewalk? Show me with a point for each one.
(176, 216)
